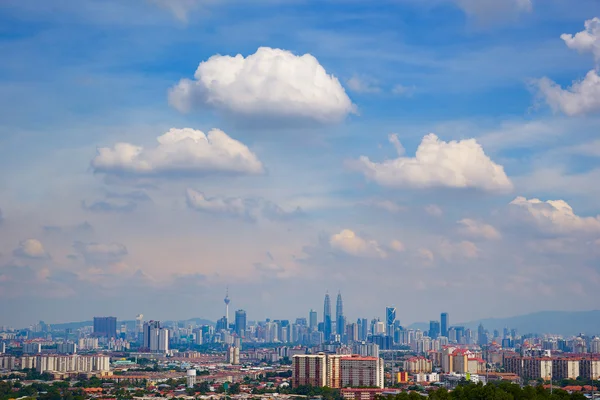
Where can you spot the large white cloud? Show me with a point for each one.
(587, 40)
(247, 208)
(554, 216)
(477, 229)
(30, 248)
(350, 243)
(583, 97)
(456, 164)
(184, 151)
(271, 83)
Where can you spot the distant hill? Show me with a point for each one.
(130, 323)
(565, 323)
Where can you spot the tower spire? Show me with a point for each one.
(227, 301)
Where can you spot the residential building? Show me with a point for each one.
(360, 371)
(416, 365)
(564, 368)
(28, 362)
(32, 348)
(233, 355)
(310, 370)
(7, 362)
(66, 348)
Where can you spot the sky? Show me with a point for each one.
(435, 155)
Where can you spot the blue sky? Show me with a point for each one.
(310, 181)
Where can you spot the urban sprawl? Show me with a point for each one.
(319, 356)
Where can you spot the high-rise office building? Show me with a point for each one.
(434, 329)
(340, 321)
(363, 333)
(105, 326)
(327, 317)
(240, 323)
(482, 337)
(445, 324)
(313, 323)
(390, 319)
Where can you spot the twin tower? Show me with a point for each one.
(340, 320)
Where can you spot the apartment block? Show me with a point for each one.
(360, 371)
(309, 369)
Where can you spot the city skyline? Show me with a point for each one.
(403, 152)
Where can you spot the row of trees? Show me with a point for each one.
(492, 391)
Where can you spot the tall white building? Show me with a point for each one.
(7, 362)
(72, 363)
(88, 343)
(233, 355)
(163, 340)
(595, 345)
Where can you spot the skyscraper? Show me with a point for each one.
(327, 317)
(390, 319)
(312, 320)
(105, 326)
(434, 329)
(340, 321)
(240, 323)
(445, 324)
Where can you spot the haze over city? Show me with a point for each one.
(434, 155)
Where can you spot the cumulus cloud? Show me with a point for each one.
(30, 248)
(587, 40)
(271, 83)
(362, 85)
(554, 216)
(350, 243)
(455, 164)
(582, 98)
(493, 9)
(101, 253)
(478, 229)
(180, 151)
(252, 209)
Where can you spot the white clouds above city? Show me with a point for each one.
(283, 150)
